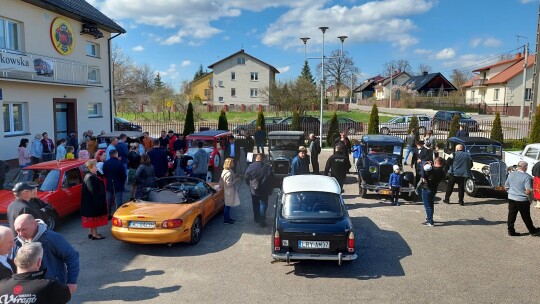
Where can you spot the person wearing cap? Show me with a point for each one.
(26, 202)
(395, 184)
(300, 163)
(338, 166)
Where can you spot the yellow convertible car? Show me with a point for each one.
(173, 212)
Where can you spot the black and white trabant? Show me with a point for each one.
(311, 221)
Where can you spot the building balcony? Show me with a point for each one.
(35, 67)
(479, 83)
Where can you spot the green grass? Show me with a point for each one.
(242, 117)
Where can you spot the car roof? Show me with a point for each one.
(474, 140)
(210, 133)
(286, 133)
(130, 134)
(310, 183)
(54, 165)
(385, 139)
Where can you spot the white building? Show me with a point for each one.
(54, 70)
(385, 85)
(239, 78)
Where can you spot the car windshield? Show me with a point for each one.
(47, 180)
(284, 144)
(312, 205)
(121, 120)
(178, 193)
(207, 143)
(484, 149)
(383, 149)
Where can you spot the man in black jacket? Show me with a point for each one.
(28, 285)
(116, 178)
(7, 267)
(314, 151)
(158, 157)
(4, 168)
(26, 203)
(338, 166)
(260, 178)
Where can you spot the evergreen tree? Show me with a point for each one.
(222, 122)
(454, 126)
(200, 73)
(295, 124)
(260, 121)
(413, 126)
(535, 132)
(306, 73)
(158, 84)
(496, 130)
(333, 130)
(189, 124)
(373, 127)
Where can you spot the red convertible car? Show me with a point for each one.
(59, 184)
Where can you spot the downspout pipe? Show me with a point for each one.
(111, 92)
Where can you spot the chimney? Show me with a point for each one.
(518, 55)
(424, 73)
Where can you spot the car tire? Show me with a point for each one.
(351, 131)
(470, 188)
(363, 192)
(196, 231)
(52, 220)
(422, 130)
(209, 175)
(385, 131)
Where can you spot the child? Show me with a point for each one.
(179, 164)
(70, 152)
(395, 184)
(189, 167)
(357, 152)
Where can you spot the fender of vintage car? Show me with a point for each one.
(480, 179)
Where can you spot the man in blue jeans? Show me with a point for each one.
(431, 177)
(409, 144)
(260, 178)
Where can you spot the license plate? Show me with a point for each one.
(385, 191)
(143, 225)
(314, 244)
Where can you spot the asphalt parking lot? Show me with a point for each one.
(467, 257)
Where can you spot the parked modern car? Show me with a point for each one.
(59, 184)
(442, 120)
(105, 139)
(309, 124)
(282, 147)
(345, 124)
(121, 124)
(379, 154)
(214, 142)
(174, 212)
(311, 221)
(489, 171)
(251, 126)
(531, 155)
(400, 124)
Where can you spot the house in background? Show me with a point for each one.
(344, 93)
(54, 70)
(239, 79)
(384, 87)
(429, 85)
(499, 87)
(202, 88)
(367, 88)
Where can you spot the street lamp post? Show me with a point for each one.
(305, 39)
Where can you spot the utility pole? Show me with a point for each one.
(352, 87)
(534, 89)
(522, 109)
(391, 84)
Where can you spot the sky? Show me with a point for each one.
(175, 37)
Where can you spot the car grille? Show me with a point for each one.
(384, 172)
(281, 167)
(497, 174)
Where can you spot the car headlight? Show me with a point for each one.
(485, 170)
(372, 169)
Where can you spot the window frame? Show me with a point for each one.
(251, 90)
(233, 76)
(97, 51)
(254, 76)
(240, 60)
(220, 99)
(6, 38)
(99, 110)
(11, 120)
(496, 94)
(233, 92)
(94, 71)
(528, 93)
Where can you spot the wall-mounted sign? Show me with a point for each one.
(23, 63)
(62, 36)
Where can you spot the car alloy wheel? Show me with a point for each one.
(470, 188)
(196, 231)
(385, 131)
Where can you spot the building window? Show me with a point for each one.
(496, 94)
(14, 118)
(206, 92)
(233, 75)
(233, 92)
(220, 83)
(527, 94)
(240, 60)
(253, 92)
(254, 76)
(10, 35)
(93, 75)
(92, 49)
(220, 99)
(472, 95)
(94, 109)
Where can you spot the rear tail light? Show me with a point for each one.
(116, 222)
(350, 242)
(171, 224)
(277, 241)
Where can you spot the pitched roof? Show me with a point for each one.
(79, 10)
(513, 60)
(505, 75)
(243, 52)
(367, 83)
(422, 80)
(386, 80)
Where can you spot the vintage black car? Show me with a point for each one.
(379, 155)
(311, 221)
(489, 171)
(283, 147)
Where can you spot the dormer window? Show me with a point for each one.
(240, 60)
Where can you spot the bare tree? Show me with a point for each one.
(121, 64)
(338, 70)
(394, 66)
(459, 78)
(143, 78)
(295, 94)
(423, 68)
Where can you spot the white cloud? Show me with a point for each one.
(527, 1)
(138, 48)
(423, 51)
(185, 63)
(171, 72)
(447, 53)
(284, 69)
(476, 42)
(488, 42)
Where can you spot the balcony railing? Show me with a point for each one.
(479, 82)
(35, 67)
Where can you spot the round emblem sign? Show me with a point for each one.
(62, 36)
